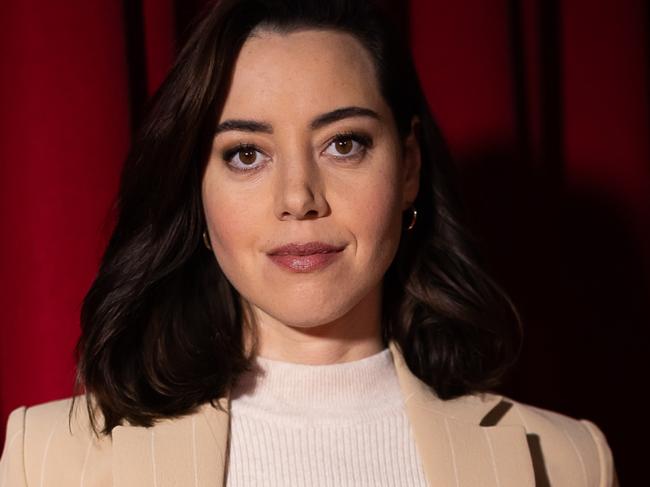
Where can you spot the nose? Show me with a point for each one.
(299, 190)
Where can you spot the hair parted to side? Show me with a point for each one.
(161, 324)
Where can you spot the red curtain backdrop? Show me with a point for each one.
(64, 128)
(544, 103)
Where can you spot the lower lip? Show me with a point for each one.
(305, 263)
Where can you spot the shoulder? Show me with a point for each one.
(54, 442)
(564, 450)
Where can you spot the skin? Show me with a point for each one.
(306, 187)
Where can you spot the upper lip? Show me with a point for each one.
(307, 248)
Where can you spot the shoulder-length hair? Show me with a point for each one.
(161, 324)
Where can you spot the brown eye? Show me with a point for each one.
(244, 158)
(344, 146)
(347, 146)
(247, 156)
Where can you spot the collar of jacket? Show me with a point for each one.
(454, 448)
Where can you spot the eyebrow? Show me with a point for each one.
(318, 122)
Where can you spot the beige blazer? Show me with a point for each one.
(474, 441)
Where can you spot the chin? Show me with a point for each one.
(309, 313)
(306, 316)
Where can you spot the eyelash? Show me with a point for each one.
(364, 140)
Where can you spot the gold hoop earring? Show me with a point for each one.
(413, 218)
(206, 240)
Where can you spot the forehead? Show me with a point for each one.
(301, 73)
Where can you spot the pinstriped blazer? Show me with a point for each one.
(483, 440)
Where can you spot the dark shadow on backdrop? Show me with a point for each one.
(570, 260)
(571, 264)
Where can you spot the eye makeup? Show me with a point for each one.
(238, 157)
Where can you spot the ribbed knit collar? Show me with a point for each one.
(365, 387)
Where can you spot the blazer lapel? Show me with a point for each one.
(455, 450)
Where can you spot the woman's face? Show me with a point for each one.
(307, 151)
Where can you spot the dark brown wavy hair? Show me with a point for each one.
(161, 324)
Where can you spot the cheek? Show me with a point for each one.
(374, 214)
(229, 217)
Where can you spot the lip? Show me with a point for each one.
(308, 248)
(307, 257)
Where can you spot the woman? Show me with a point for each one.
(289, 296)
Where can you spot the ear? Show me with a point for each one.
(412, 163)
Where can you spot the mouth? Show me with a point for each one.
(307, 257)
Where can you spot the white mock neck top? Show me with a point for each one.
(334, 425)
